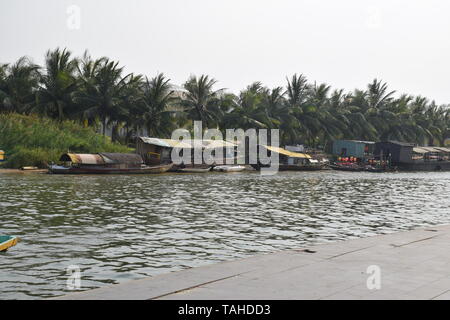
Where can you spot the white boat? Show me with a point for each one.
(229, 168)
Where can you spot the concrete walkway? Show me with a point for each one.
(404, 265)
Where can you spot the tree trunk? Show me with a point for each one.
(104, 126)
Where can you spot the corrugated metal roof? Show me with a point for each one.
(404, 144)
(170, 143)
(288, 153)
(442, 149)
(167, 143)
(430, 149)
(361, 141)
(83, 158)
(101, 158)
(130, 158)
(419, 150)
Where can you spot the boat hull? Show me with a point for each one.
(7, 242)
(108, 170)
(229, 168)
(194, 170)
(292, 167)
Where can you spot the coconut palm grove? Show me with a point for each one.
(96, 93)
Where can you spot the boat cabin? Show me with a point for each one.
(110, 160)
(353, 148)
(158, 151)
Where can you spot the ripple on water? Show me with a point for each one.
(118, 228)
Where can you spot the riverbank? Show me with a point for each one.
(405, 265)
(23, 171)
(29, 140)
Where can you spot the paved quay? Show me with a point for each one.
(404, 265)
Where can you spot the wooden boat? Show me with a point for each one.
(143, 169)
(105, 163)
(29, 168)
(195, 169)
(380, 169)
(7, 242)
(229, 168)
(293, 167)
(298, 167)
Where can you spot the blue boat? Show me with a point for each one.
(7, 242)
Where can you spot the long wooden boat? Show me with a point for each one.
(194, 170)
(7, 242)
(93, 169)
(297, 167)
(293, 167)
(229, 168)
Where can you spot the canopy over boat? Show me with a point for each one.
(102, 158)
(287, 153)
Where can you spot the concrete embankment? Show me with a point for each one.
(404, 265)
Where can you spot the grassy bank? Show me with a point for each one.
(35, 141)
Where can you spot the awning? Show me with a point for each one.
(288, 153)
(419, 150)
(166, 143)
(171, 143)
(442, 149)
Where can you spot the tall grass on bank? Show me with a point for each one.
(35, 141)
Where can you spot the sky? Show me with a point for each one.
(345, 43)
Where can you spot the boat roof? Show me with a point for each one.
(101, 158)
(424, 150)
(191, 143)
(287, 152)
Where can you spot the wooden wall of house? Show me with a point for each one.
(399, 153)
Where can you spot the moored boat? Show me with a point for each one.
(229, 168)
(7, 242)
(105, 163)
(56, 169)
(194, 169)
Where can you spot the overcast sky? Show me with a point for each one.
(344, 43)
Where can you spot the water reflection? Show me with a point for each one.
(118, 228)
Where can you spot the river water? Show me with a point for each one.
(118, 228)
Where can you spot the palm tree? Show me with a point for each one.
(58, 84)
(249, 111)
(157, 98)
(201, 102)
(105, 91)
(18, 85)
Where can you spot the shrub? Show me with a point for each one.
(35, 141)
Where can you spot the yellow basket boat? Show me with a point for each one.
(7, 242)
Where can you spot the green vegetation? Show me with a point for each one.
(35, 141)
(97, 93)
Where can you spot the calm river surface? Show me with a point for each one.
(118, 228)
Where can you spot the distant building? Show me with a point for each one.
(408, 156)
(353, 148)
(2, 155)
